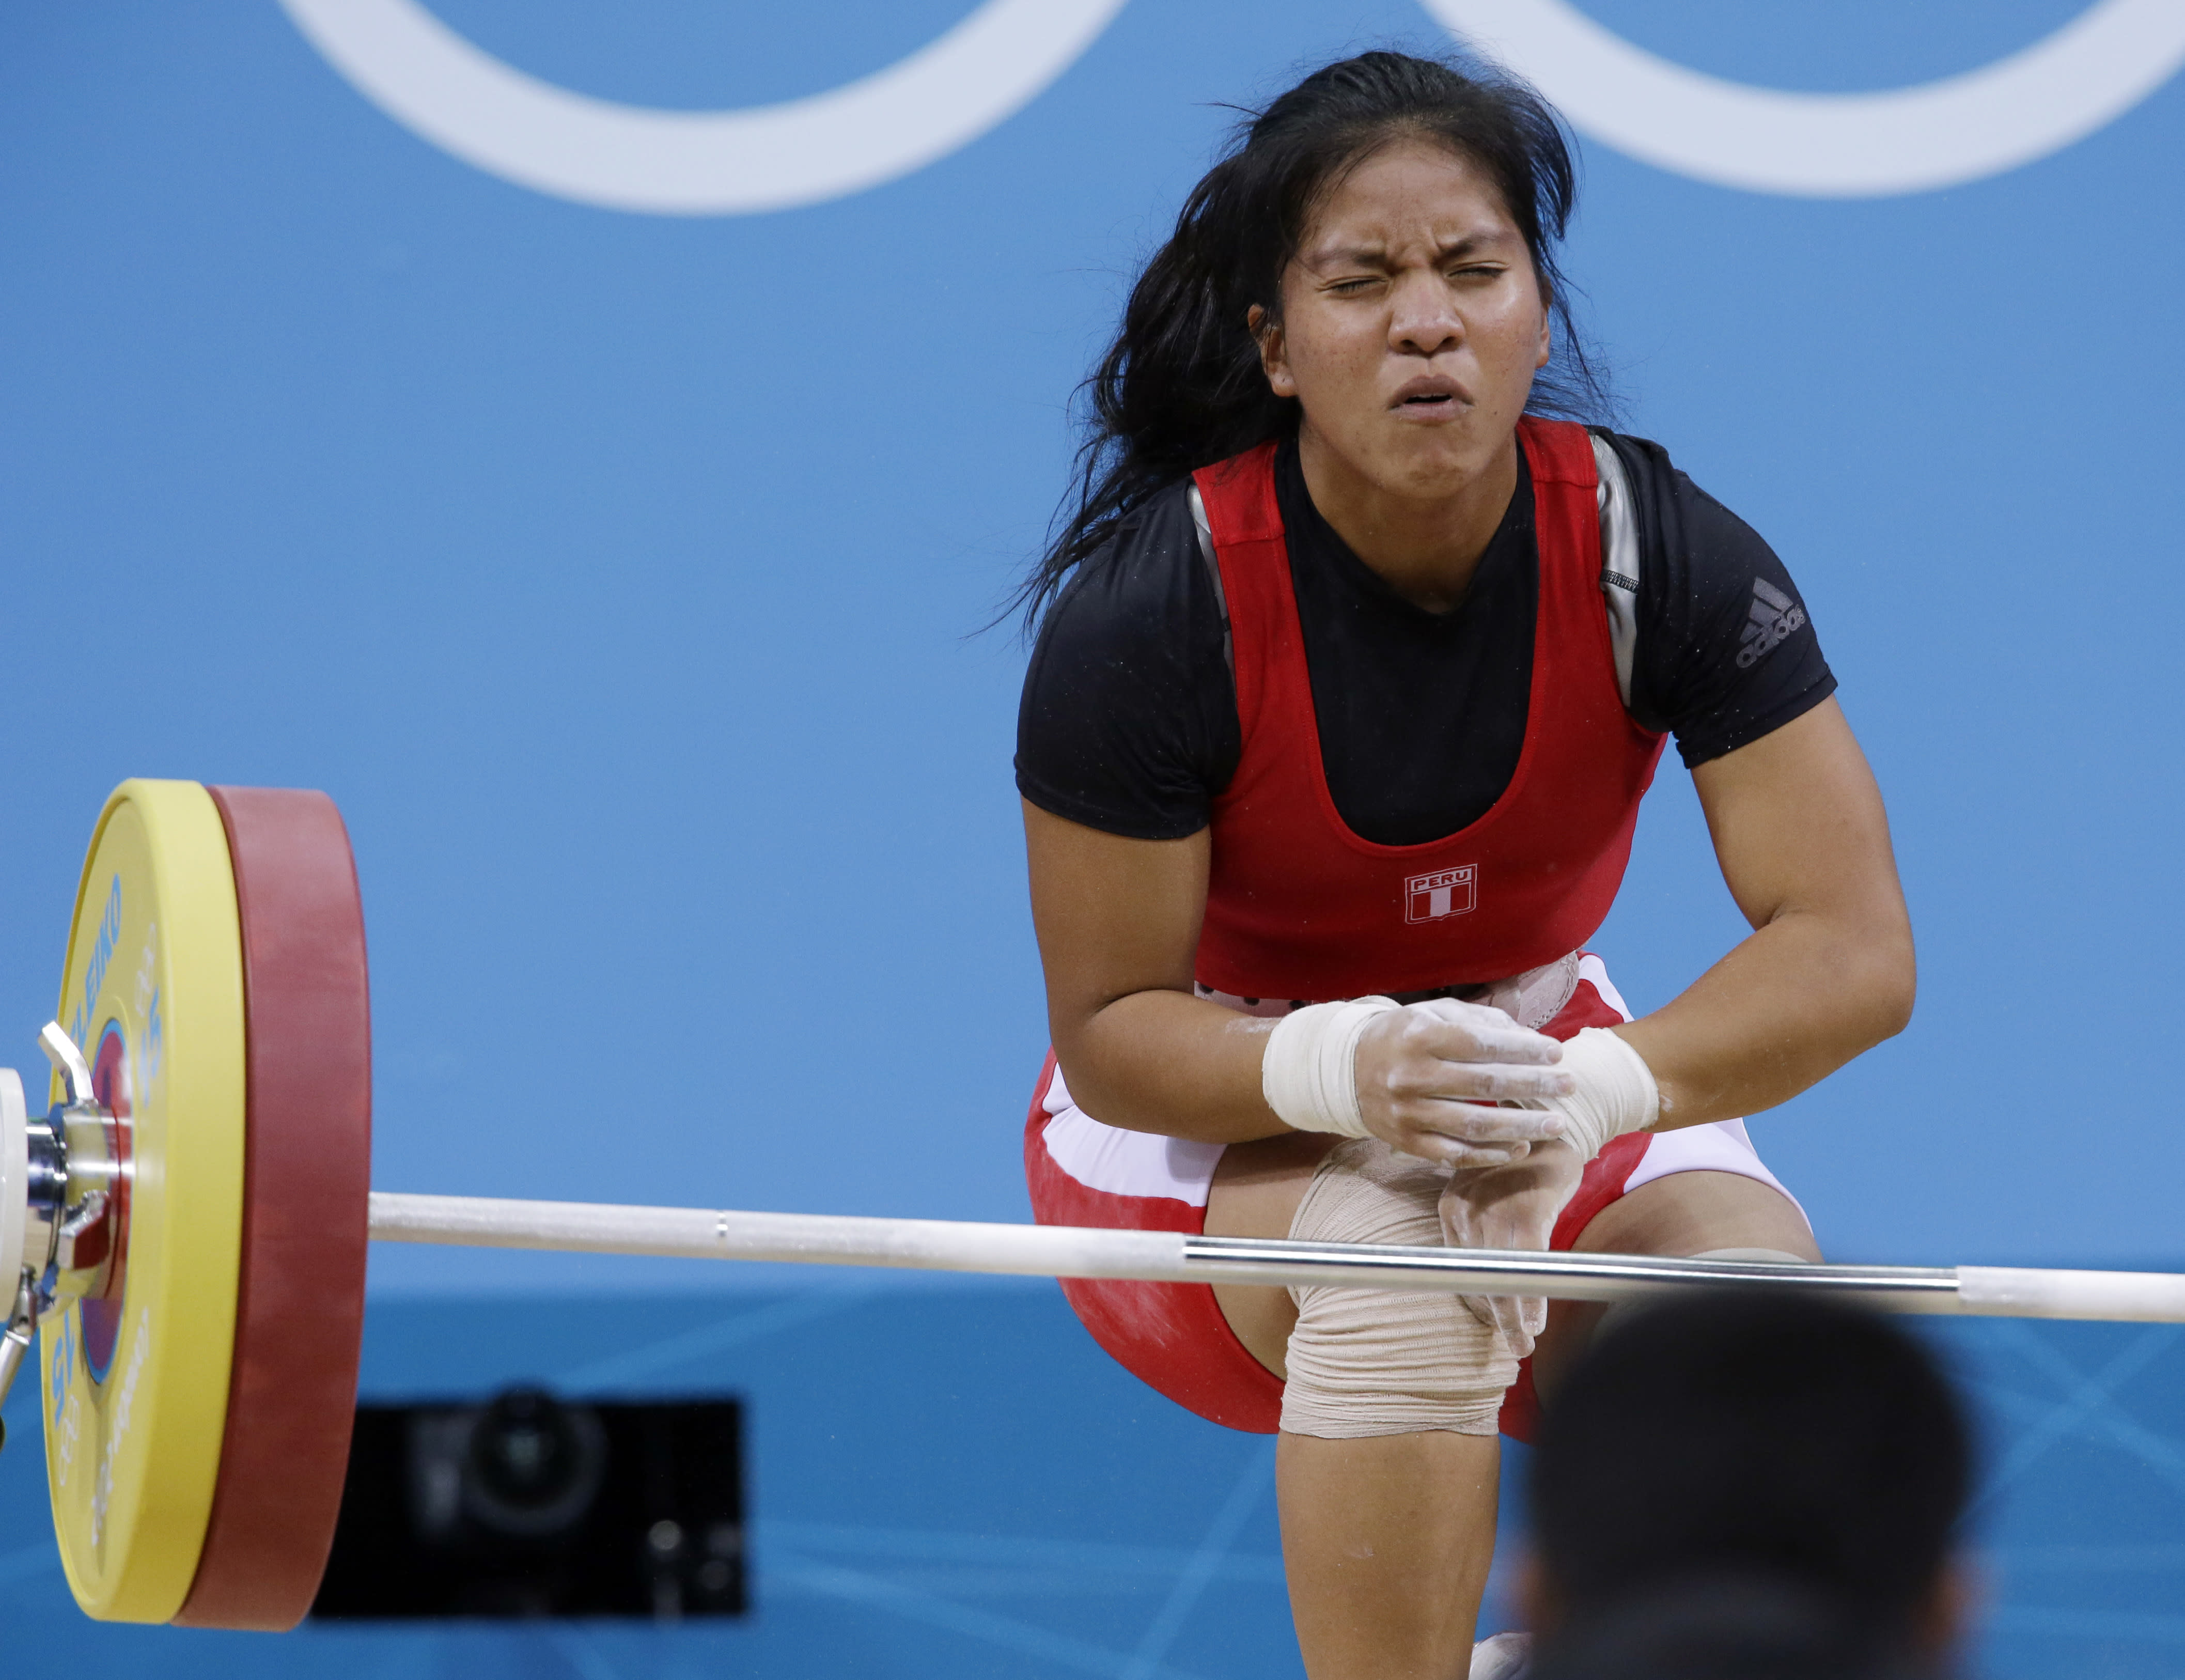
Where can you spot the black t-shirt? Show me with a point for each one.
(1128, 722)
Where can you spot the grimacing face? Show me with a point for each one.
(1412, 322)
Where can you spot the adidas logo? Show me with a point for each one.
(1775, 616)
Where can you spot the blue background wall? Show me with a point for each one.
(617, 573)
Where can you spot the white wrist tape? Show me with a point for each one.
(1308, 1071)
(1615, 1092)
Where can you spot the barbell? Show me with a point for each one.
(193, 1210)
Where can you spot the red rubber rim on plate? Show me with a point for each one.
(299, 1306)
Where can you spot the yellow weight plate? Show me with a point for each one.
(136, 1387)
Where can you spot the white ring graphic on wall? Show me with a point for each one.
(1941, 133)
(918, 110)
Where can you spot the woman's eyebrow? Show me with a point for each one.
(1471, 244)
(1347, 257)
(1376, 255)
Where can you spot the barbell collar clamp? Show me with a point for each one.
(78, 1162)
(45, 1191)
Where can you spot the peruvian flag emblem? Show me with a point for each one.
(1446, 892)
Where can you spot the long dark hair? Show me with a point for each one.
(1182, 387)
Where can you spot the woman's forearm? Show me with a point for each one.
(1782, 1011)
(1118, 923)
(1429, 1080)
(1166, 1061)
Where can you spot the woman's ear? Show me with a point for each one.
(1267, 333)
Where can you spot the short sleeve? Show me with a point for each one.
(1128, 720)
(1726, 650)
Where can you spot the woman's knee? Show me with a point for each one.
(1375, 1361)
(1257, 1187)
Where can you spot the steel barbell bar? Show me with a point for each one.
(1171, 1257)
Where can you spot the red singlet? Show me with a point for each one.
(1297, 904)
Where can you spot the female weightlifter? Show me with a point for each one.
(1353, 667)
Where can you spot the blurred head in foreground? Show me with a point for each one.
(1749, 1487)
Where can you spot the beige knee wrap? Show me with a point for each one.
(1365, 1362)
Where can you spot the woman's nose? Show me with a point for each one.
(1423, 319)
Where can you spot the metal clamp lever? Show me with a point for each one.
(62, 1051)
(15, 1340)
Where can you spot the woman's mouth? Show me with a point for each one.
(1429, 397)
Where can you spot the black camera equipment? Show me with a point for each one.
(528, 1505)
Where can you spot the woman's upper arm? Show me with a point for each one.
(1798, 823)
(1127, 732)
(1799, 829)
(1118, 925)
(1115, 915)
(1729, 658)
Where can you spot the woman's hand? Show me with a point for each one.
(1431, 1074)
(1513, 1206)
